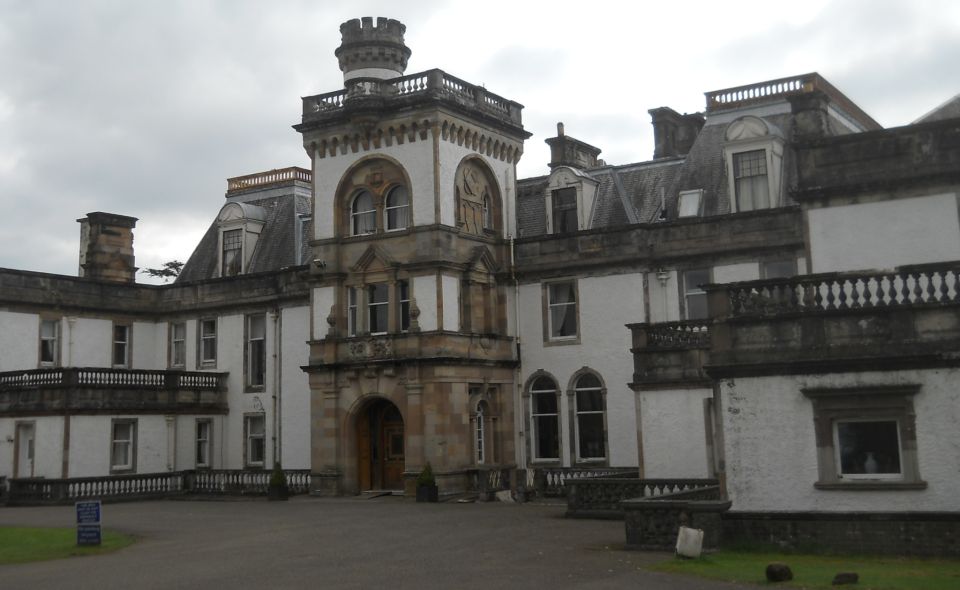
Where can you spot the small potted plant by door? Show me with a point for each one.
(427, 485)
(277, 488)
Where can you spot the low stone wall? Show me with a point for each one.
(653, 524)
(903, 533)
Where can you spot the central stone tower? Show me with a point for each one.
(412, 350)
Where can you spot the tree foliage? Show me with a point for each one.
(169, 270)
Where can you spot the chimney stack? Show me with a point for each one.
(567, 151)
(673, 133)
(106, 247)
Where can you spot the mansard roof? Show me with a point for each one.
(279, 206)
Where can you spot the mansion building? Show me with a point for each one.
(771, 301)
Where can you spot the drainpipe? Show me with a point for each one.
(518, 423)
(277, 333)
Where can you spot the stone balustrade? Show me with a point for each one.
(36, 491)
(431, 83)
(261, 179)
(550, 481)
(62, 389)
(908, 286)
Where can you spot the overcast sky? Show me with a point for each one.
(145, 108)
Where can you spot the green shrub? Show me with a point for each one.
(426, 477)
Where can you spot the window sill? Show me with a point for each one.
(562, 341)
(871, 485)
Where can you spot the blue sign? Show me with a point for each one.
(88, 512)
(88, 522)
(88, 534)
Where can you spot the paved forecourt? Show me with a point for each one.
(344, 543)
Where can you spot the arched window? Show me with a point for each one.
(589, 407)
(363, 214)
(545, 417)
(397, 211)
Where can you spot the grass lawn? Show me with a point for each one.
(817, 571)
(22, 544)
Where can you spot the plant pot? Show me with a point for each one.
(277, 493)
(427, 493)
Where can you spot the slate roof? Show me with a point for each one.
(276, 247)
(655, 184)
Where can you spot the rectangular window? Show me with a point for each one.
(866, 437)
(565, 210)
(403, 294)
(256, 443)
(232, 255)
(121, 345)
(123, 446)
(867, 449)
(49, 342)
(562, 311)
(204, 443)
(378, 306)
(352, 312)
(256, 350)
(178, 345)
(750, 180)
(694, 297)
(208, 342)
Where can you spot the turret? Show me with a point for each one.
(369, 52)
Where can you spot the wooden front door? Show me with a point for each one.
(380, 446)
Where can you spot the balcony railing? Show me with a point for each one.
(104, 378)
(672, 335)
(101, 390)
(260, 179)
(437, 82)
(935, 284)
(145, 486)
(739, 96)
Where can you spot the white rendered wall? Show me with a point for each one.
(47, 445)
(90, 444)
(425, 292)
(450, 287)
(604, 347)
(92, 343)
(148, 345)
(664, 299)
(17, 332)
(771, 452)
(674, 433)
(295, 392)
(323, 300)
(885, 234)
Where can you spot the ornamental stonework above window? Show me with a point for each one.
(477, 200)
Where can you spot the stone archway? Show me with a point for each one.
(380, 446)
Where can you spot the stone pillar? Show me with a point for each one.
(413, 432)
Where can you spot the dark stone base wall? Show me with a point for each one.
(903, 533)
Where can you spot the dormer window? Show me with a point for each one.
(565, 210)
(750, 185)
(232, 255)
(397, 211)
(753, 154)
(240, 225)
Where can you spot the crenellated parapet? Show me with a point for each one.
(372, 51)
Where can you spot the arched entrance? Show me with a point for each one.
(380, 443)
